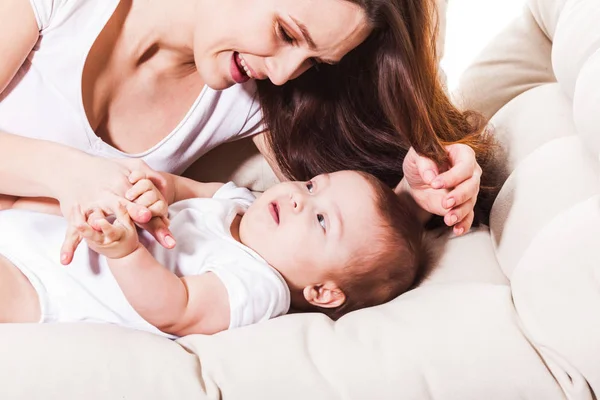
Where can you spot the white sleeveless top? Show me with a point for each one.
(44, 100)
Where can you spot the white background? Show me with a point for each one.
(470, 25)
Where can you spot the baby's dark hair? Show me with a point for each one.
(399, 258)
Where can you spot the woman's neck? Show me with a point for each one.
(161, 31)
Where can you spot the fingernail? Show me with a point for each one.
(169, 241)
(459, 231)
(437, 184)
(128, 195)
(453, 219)
(428, 175)
(142, 213)
(63, 257)
(450, 202)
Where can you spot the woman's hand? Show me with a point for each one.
(451, 194)
(97, 187)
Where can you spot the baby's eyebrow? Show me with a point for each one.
(326, 178)
(340, 221)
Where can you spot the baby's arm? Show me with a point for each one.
(186, 188)
(180, 306)
(7, 202)
(146, 192)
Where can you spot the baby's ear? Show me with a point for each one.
(326, 295)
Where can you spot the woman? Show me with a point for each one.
(90, 89)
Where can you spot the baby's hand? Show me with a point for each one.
(146, 194)
(115, 240)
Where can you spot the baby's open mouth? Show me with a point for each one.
(274, 210)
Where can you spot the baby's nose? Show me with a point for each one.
(297, 202)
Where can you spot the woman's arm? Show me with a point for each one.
(18, 34)
(78, 181)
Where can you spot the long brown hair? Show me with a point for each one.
(383, 97)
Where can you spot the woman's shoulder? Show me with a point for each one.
(53, 13)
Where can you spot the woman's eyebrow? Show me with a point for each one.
(305, 34)
(311, 43)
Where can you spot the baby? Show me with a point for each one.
(340, 242)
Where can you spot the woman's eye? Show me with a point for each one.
(284, 35)
(321, 220)
(309, 186)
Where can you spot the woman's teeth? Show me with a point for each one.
(246, 69)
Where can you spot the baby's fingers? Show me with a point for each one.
(112, 232)
(139, 188)
(160, 209)
(136, 175)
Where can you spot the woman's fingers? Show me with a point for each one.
(137, 212)
(158, 227)
(464, 192)
(73, 237)
(458, 214)
(463, 166)
(72, 240)
(428, 170)
(464, 225)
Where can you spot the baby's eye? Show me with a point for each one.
(321, 220)
(309, 186)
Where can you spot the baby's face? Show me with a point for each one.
(309, 231)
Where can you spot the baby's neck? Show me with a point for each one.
(235, 228)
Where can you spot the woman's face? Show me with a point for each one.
(236, 40)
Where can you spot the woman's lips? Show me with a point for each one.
(274, 210)
(237, 71)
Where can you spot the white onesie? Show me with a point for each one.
(44, 100)
(86, 290)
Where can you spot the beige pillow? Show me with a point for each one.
(517, 60)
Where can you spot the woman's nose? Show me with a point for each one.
(284, 67)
